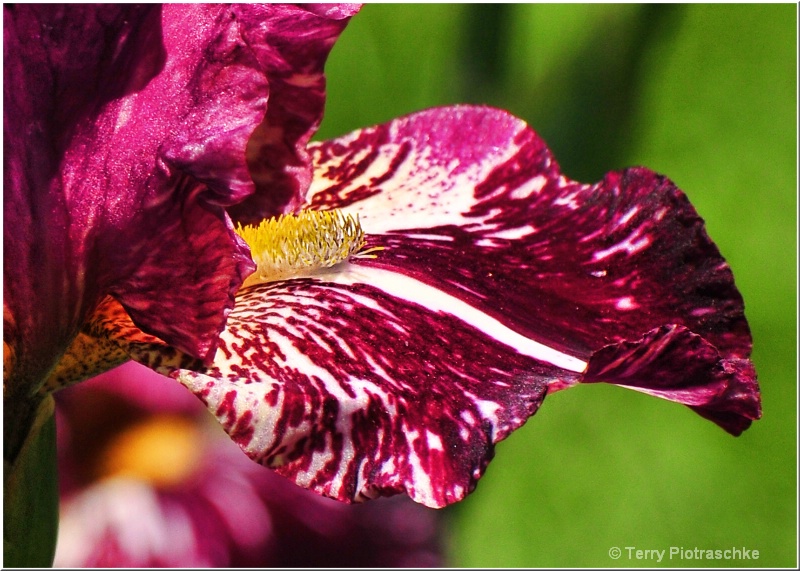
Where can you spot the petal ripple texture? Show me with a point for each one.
(128, 130)
(501, 281)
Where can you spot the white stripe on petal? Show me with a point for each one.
(409, 289)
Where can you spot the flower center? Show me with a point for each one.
(296, 245)
(162, 450)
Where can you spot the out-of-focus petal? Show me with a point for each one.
(228, 511)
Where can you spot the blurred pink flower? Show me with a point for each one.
(148, 478)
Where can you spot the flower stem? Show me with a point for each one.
(30, 495)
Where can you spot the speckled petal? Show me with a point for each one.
(355, 392)
(500, 281)
(470, 201)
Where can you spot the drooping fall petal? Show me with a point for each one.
(500, 281)
(576, 267)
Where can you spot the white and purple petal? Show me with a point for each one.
(499, 281)
(470, 201)
(355, 392)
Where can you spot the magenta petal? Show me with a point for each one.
(291, 43)
(127, 132)
(333, 11)
(60, 64)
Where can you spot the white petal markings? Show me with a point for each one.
(424, 188)
(277, 351)
(529, 188)
(412, 290)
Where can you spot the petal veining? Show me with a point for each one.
(499, 281)
(354, 392)
(470, 201)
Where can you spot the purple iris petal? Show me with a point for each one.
(500, 281)
(356, 393)
(575, 267)
(127, 132)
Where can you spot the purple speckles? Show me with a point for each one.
(500, 281)
(227, 409)
(242, 430)
(387, 396)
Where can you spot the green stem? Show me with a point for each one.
(30, 495)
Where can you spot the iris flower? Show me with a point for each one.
(149, 479)
(425, 285)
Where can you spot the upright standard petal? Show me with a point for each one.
(298, 40)
(499, 281)
(127, 132)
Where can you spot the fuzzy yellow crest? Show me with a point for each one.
(295, 245)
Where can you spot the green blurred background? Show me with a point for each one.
(705, 94)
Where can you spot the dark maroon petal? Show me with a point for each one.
(126, 133)
(470, 201)
(673, 363)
